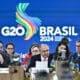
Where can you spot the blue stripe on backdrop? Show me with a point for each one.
(51, 12)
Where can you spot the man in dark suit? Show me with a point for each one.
(76, 55)
(4, 60)
(43, 56)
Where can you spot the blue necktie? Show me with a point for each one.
(79, 66)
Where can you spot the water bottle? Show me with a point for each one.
(63, 54)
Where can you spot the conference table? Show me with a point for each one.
(17, 73)
(12, 73)
(73, 75)
(59, 74)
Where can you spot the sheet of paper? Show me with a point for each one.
(4, 70)
(42, 65)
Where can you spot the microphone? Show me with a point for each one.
(62, 55)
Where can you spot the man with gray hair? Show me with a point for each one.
(43, 56)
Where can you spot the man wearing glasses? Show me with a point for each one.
(76, 56)
(43, 56)
(10, 52)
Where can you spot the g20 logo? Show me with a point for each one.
(12, 31)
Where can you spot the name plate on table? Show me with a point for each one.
(4, 70)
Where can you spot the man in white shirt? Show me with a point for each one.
(44, 54)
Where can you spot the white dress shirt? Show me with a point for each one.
(44, 59)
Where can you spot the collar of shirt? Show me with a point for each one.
(44, 59)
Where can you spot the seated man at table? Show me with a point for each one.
(76, 56)
(43, 56)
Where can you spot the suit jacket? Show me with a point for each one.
(76, 60)
(75, 56)
(38, 58)
(6, 60)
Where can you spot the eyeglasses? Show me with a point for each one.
(45, 50)
(77, 45)
(35, 50)
(10, 48)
